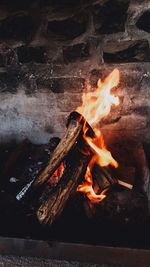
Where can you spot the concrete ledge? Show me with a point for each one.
(111, 256)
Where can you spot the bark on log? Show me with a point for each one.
(73, 134)
(26, 192)
(102, 178)
(66, 144)
(55, 202)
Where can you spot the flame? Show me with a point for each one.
(57, 174)
(87, 186)
(96, 105)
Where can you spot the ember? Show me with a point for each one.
(57, 174)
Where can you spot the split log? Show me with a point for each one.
(71, 146)
(64, 147)
(102, 178)
(74, 134)
(26, 192)
(55, 202)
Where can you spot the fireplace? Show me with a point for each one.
(51, 53)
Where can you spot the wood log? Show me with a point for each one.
(64, 147)
(73, 134)
(53, 200)
(102, 178)
(26, 192)
(54, 203)
(72, 146)
(40, 185)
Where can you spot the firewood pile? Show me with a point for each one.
(41, 181)
(48, 187)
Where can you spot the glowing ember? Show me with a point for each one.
(57, 174)
(96, 105)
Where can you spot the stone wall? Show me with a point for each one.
(52, 50)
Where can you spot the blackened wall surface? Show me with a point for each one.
(51, 51)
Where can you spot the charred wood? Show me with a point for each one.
(53, 205)
(102, 178)
(61, 149)
(65, 145)
(25, 190)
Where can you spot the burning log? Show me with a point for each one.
(78, 153)
(74, 134)
(102, 181)
(55, 202)
(52, 204)
(65, 145)
(81, 142)
(48, 197)
(102, 178)
(79, 138)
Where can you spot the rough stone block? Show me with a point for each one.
(60, 85)
(31, 54)
(137, 51)
(15, 5)
(143, 22)
(110, 17)
(66, 29)
(77, 52)
(7, 56)
(8, 82)
(16, 28)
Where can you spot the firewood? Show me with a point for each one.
(50, 200)
(102, 178)
(78, 154)
(26, 192)
(73, 133)
(55, 201)
(126, 176)
(65, 145)
(59, 149)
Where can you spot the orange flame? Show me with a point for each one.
(96, 105)
(57, 174)
(87, 186)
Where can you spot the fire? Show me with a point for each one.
(57, 174)
(87, 186)
(96, 105)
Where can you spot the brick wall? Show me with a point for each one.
(51, 51)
